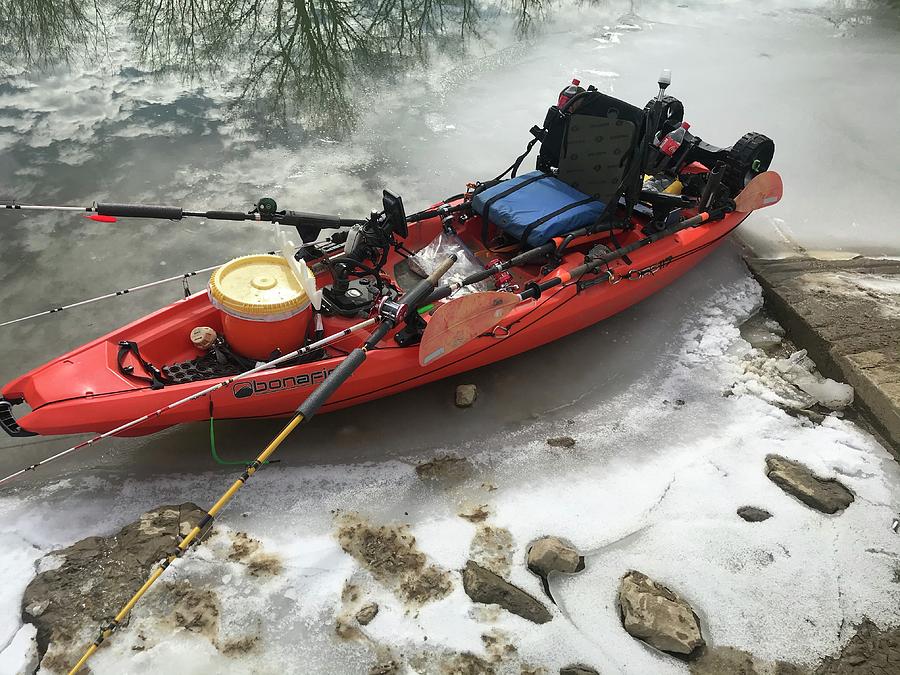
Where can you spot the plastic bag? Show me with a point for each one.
(424, 262)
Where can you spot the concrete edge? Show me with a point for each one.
(873, 405)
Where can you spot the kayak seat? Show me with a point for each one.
(588, 155)
(536, 206)
(591, 125)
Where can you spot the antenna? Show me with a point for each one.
(665, 79)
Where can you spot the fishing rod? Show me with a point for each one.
(125, 291)
(265, 210)
(390, 313)
(200, 394)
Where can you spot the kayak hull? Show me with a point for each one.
(84, 390)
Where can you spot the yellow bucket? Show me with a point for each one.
(264, 307)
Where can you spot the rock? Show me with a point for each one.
(368, 612)
(485, 587)
(753, 514)
(653, 613)
(871, 651)
(561, 442)
(825, 495)
(466, 395)
(550, 554)
(203, 337)
(577, 669)
(720, 660)
(97, 576)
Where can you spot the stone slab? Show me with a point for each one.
(846, 313)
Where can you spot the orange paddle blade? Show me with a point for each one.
(458, 321)
(764, 190)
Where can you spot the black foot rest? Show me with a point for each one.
(223, 363)
(206, 367)
(8, 421)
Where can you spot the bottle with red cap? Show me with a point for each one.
(569, 92)
(674, 139)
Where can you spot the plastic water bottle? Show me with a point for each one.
(674, 139)
(569, 92)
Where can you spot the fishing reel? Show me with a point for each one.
(265, 207)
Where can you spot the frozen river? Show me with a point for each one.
(650, 485)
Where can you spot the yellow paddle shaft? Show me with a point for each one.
(191, 536)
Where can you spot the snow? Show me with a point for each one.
(17, 560)
(20, 655)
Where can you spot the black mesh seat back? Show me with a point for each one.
(591, 125)
(595, 154)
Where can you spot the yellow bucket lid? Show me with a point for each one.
(258, 287)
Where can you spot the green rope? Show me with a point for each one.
(215, 454)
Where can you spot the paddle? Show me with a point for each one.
(390, 315)
(457, 322)
(764, 190)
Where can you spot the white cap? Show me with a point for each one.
(665, 78)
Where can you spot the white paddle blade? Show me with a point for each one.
(299, 267)
(459, 321)
(764, 190)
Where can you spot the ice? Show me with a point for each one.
(831, 394)
(799, 370)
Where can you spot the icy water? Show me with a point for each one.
(107, 124)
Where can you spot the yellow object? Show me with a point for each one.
(655, 182)
(258, 287)
(675, 188)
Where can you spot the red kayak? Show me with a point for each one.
(84, 390)
(532, 235)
